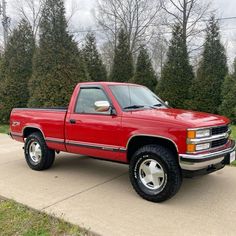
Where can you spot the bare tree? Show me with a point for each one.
(72, 10)
(158, 48)
(189, 14)
(136, 17)
(30, 10)
(107, 52)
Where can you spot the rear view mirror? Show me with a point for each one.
(167, 103)
(102, 106)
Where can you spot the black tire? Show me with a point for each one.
(163, 160)
(47, 155)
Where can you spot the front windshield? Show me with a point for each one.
(136, 97)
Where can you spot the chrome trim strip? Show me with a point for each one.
(208, 139)
(75, 143)
(209, 127)
(201, 161)
(86, 145)
(209, 149)
(23, 130)
(209, 155)
(123, 149)
(55, 140)
(154, 136)
(191, 166)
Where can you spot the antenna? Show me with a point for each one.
(5, 21)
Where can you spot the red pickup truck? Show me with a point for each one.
(127, 123)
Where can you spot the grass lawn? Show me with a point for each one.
(4, 129)
(16, 219)
(233, 134)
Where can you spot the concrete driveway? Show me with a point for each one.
(97, 195)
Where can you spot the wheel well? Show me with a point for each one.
(29, 130)
(139, 141)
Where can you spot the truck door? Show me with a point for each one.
(92, 132)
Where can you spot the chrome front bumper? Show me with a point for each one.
(201, 161)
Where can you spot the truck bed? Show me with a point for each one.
(49, 120)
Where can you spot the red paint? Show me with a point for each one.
(111, 132)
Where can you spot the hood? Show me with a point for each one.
(190, 119)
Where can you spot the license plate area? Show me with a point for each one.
(232, 157)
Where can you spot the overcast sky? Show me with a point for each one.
(224, 8)
(84, 18)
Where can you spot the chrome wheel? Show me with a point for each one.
(152, 174)
(35, 152)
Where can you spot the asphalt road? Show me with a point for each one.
(97, 195)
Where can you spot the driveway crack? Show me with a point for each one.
(84, 191)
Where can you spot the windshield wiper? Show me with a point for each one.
(133, 107)
(157, 105)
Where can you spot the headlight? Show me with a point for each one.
(198, 147)
(195, 139)
(203, 146)
(202, 133)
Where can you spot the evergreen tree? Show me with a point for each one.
(57, 65)
(177, 74)
(1, 69)
(95, 68)
(228, 105)
(144, 74)
(207, 87)
(16, 69)
(123, 68)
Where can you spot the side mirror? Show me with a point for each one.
(167, 103)
(102, 106)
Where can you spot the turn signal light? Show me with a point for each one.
(191, 134)
(191, 147)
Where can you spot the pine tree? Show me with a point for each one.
(144, 74)
(57, 65)
(207, 87)
(123, 68)
(177, 74)
(228, 105)
(16, 69)
(1, 69)
(93, 62)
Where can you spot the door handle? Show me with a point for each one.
(73, 121)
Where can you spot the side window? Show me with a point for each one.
(87, 98)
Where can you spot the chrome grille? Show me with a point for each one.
(219, 136)
(219, 130)
(219, 143)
